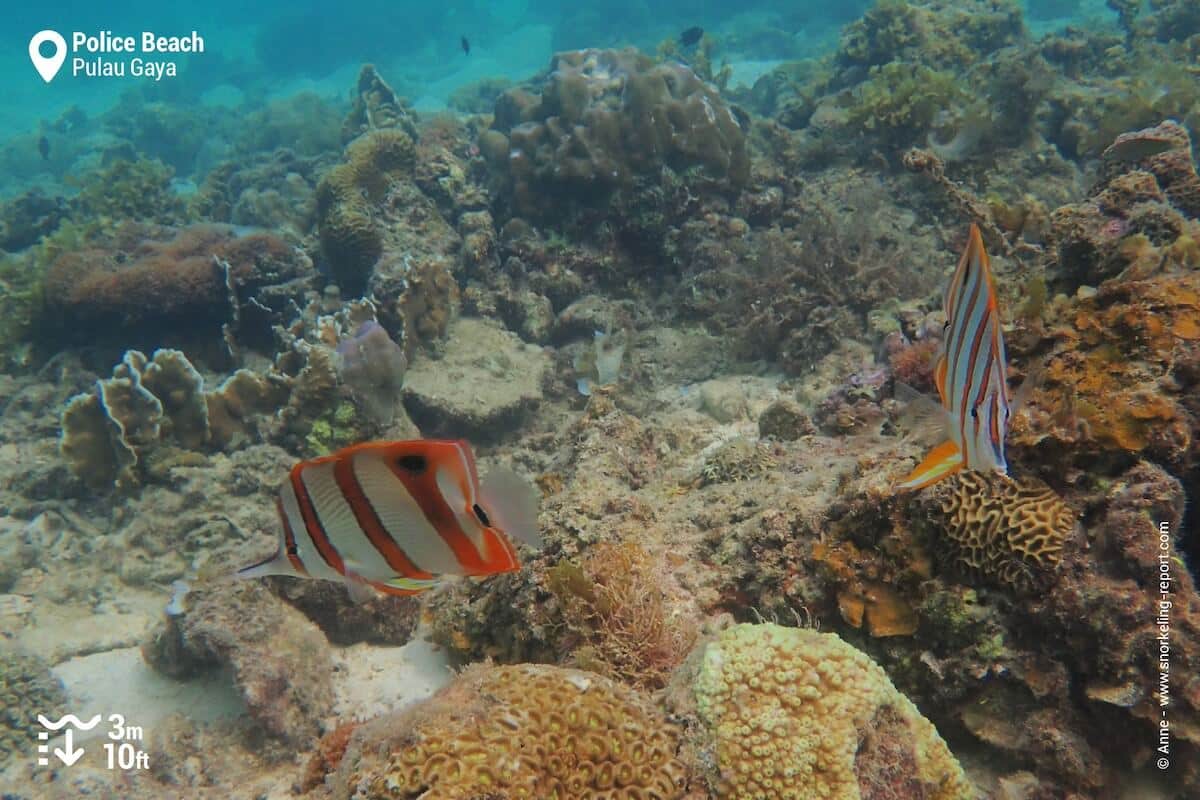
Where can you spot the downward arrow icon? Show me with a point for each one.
(70, 755)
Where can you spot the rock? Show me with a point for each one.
(784, 420)
(486, 382)
(279, 661)
(723, 400)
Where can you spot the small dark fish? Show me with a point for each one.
(691, 36)
(1138, 145)
(44, 148)
(466, 45)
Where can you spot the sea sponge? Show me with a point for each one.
(793, 713)
(1006, 531)
(525, 731)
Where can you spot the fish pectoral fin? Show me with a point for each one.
(943, 460)
(1033, 380)
(359, 589)
(923, 417)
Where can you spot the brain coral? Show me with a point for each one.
(347, 197)
(798, 714)
(1009, 531)
(606, 116)
(526, 731)
(27, 688)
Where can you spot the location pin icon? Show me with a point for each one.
(47, 67)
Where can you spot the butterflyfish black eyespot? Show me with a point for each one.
(482, 516)
(413, 463)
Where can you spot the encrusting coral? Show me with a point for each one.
(1008, 531)
(796, 714)
(27, 688)
(526, 732)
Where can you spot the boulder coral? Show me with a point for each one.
(346, 199)
(793, 713)
(525, 732)
(605, 117)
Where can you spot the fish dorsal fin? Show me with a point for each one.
(513, 504)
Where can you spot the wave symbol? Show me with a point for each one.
(69, 718)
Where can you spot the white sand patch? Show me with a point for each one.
(375, 680)
(59, 632)
(120, 682)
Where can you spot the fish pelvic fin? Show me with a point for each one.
(277, 564)
(941, 461)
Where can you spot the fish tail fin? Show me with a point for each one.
(277, 564)
(513, 501)
(941, 461)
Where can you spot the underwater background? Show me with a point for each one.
(684, 272)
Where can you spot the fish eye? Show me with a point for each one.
(414, 464)
(974, 413)
(481, 515)
(292, 550)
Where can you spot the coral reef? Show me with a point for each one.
(523, 731)
(376, 107)
(793, 713)
(26, 689)
(158, 286)
(346, 198)
(603, 119)
(1010, 531)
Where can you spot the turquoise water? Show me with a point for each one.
(260, 51)
(673, 285)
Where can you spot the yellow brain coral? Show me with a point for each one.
(527, 731)
(1010, 531)
(795, 714)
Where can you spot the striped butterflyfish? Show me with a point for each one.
(395, 516)
(970, 375)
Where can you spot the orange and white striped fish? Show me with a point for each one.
(394, 516)
(970, 375)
